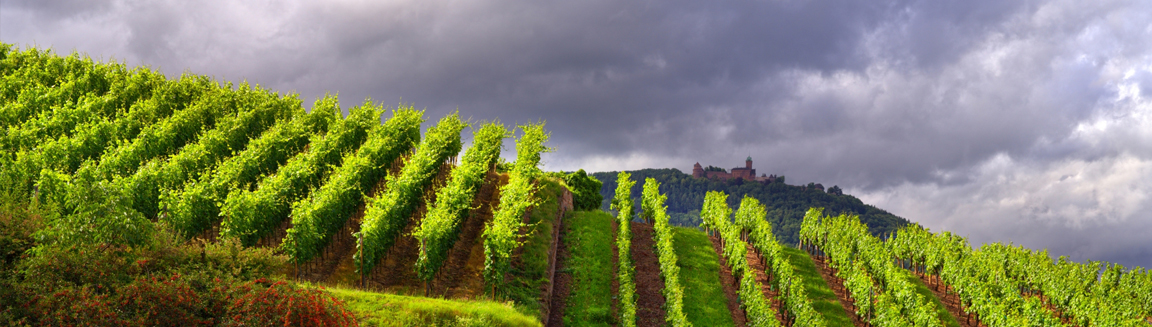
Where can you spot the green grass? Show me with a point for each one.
(530, 276)
(589, 240)
(704, 300)
(378, 309)
(941, 312)
(823, 299)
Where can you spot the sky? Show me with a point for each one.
(1005, 121)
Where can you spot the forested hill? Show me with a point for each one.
(786, 203)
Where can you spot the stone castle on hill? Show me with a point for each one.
(746, 173)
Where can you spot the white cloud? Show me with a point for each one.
(1098, 209)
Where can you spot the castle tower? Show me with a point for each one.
(697, 171)
(748, 162)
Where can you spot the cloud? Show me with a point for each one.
(1085, 209)
(920, 106)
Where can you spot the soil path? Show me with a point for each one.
(837, 285)
(462, 274)
(561, 286)
(335, 265)
(951, 300)
(730, 285)
(649, 285)
(760, 268)
(395, 273)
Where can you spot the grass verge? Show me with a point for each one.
(704, 299)
(529, 274)
(941, 310)
(589, 242)
(379, 309)
(823, 299)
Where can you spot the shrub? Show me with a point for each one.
(176, 300)
(585, 190)
(283, 303)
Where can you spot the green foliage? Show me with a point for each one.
(84, 98)
(883, 294)
(715, 214)
(36, 81)
(258, 111)
(316, 219)
(156, 101)
(18, 223)
(440, 228)
(169, 135)
(585, 190)
(102, 214)
(785, 278)
(389, 213)
(250, 215)
(194, 208)
(625, 270)
(786, 204)
(163, 278)
(107, 175)
(994, 282)
(590, 264)
(502, 234)
(527, 278)
(824, 301)
(704, 299)
(653, 206)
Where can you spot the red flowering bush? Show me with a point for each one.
(281, 303)
(174, 301)
(77, 307)
(162, 302)
(166, 282)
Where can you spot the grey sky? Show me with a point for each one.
(1023, 121)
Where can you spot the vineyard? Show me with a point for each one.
(128, 196)
(121, 159)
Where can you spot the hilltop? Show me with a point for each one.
(786, 203)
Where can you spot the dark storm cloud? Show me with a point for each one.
(941, 111)
(59, 9)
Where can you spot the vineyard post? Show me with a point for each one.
(363, 284)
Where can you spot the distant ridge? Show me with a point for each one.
(786, 204)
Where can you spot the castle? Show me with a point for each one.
(746, 173)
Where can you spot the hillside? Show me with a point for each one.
(786, 203)
(129, 199)
(120, 188)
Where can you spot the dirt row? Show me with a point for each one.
(459, 278)
(649, 285)
(760, 268)
(837, 285)
(950, 299)
(731, 286)
(559, 285)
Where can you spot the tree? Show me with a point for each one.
(585, 190)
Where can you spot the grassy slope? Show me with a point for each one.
(704, 300)
(823, 299)
(589, 240)
(378, 309)
(530, 276)
(941, 311)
